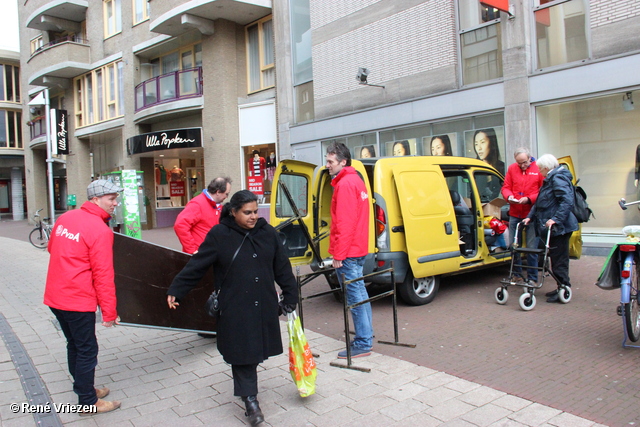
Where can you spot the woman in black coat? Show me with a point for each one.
(248, 328)
(554, 208)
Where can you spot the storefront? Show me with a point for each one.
(173, 160)
(258, 145)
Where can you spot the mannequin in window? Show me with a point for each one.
(271, 166)
(161, 180)
(176, 173)
(257, 165)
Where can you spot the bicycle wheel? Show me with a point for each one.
(631, 311)
(38, 238)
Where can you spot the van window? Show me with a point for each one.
(461, 183)
(299, 188)
(489, 185)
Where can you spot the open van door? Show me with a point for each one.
(575, 243)
(429, 220)
(292, 209)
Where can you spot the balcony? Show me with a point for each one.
(59, 60)
(174, 20)
(57, 15)
(169, 87)
(37, 127)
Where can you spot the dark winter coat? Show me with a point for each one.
(555, 201)
(248, 327)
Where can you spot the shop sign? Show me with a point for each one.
(165, 140)
(255, 185)
(176, 188)
(130, 200)
(59, 132)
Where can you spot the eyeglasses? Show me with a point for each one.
(524, 162)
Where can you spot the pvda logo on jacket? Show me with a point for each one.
(63, 232)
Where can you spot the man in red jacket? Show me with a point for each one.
(349, 241)
(79, 279)
(520, 189)
(201, 214)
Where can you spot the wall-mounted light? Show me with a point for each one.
(627, 101)
(363, 74)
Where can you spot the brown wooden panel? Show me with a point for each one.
(143, 273)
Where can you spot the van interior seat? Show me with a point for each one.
(464, 217)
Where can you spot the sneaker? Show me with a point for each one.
(532, 283)
(517, 280)
(102, 406)
(355, 352)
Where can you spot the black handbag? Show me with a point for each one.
(212, 306)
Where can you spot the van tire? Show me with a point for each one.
(418, 291)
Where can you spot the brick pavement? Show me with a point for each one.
(170, 377)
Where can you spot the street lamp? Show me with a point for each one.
(43, 99)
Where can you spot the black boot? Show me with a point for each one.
(253, 410)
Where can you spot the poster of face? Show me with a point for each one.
(403, 147)
(440, 145)
(487, 145)
(364, 151)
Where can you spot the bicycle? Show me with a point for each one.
(39, 236)
(621, 270)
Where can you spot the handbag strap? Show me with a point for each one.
(230, 264)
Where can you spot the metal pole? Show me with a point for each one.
(52, 207)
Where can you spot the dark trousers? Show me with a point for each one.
(245, 380)
(559, 255)
(82, 351)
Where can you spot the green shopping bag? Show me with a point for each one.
(301, 363)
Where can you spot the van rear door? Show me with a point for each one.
(575, 243)
(429, 220)
(295, 231)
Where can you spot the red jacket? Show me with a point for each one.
(195, 221)
(80, 275)
(349, 234)
(519, 184)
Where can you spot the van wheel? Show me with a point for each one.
(332, 279)
(418, 291)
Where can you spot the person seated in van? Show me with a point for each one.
(349, 241)
(401, 148)
(441, 146)
(552, 213)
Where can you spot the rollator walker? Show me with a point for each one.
(527, 300)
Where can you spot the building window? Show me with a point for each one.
(10, 129)
(260, 55)
(9, 83)
(112, 17)
(98, 95)
(304, 102)
(36, 44)
(480, 42)
(561, 32)
(140, 11)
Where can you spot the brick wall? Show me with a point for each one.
(412, 41)
(605, 12)
(324, 11)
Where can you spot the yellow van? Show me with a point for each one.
(427, 216)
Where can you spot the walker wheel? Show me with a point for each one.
(527, 301)
(564, 294)
(501, 295)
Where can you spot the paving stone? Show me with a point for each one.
(481, 396)
(535, 414)
(449, 410)
(486, 415)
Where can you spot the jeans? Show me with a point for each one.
(82, 351)
(356, 292)
(532, 242)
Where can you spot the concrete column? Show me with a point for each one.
(17, 196)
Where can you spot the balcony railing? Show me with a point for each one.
(73, 38)
(37, 127)
(169, 87)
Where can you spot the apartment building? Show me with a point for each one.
(12, 201)
(181, 91)
(557, 76)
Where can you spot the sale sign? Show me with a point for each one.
(176, 188)
(255, 185)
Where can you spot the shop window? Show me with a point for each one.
(112, 17)
(480, 42)
(99, 95)
(260, 55)
(561, 32)
(140, 11)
